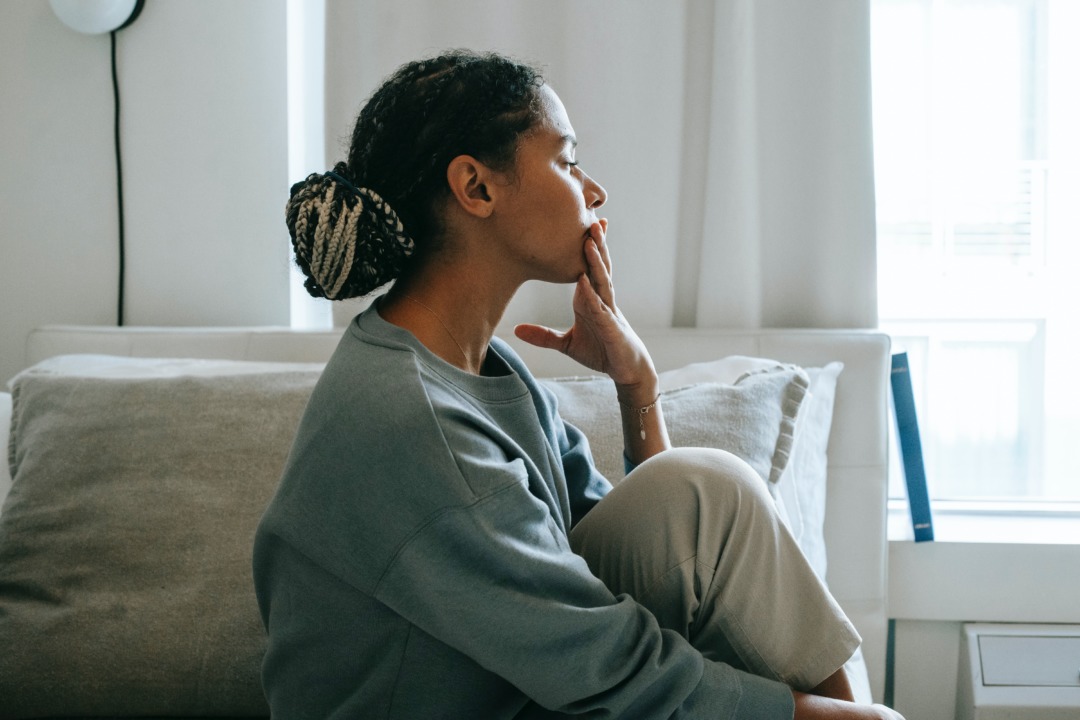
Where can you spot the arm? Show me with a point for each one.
(601, 339)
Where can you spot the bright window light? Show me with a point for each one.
(977, 163)
(305, 60)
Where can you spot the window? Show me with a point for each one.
(978, 179)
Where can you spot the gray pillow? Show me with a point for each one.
(125, 543)
(753, 418)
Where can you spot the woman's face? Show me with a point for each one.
(546, 211)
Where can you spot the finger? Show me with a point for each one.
(541, 336)
(598, 273)
(589, 305)
(602, 242)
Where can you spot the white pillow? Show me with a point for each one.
(805, 481)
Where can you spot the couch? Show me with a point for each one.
(140, 460)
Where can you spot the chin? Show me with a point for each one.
(566, 276)
(560, 279)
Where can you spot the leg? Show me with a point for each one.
(693, 536)
(835, 686)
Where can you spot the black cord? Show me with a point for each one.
(119, 182)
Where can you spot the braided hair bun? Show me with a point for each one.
(347, 240)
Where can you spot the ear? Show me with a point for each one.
(470, 181)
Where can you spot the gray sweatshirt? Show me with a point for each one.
(414, 562)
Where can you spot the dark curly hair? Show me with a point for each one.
(360, 226)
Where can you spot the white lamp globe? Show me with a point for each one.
(96, 16)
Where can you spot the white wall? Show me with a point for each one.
(203, 91)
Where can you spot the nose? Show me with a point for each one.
(595, 194)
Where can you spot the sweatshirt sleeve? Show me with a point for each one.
(497, 581)
(585, 485)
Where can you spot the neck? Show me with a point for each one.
(452, 316)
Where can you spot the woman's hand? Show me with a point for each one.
(601, 339)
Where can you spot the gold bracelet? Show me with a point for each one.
(642, 412)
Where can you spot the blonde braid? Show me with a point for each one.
(346, 235)
(323, 205)
(330, 266)
(347, 243)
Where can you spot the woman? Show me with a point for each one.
(441, 544)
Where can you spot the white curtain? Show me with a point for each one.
(733, 138)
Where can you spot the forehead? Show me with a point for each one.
(555, 123)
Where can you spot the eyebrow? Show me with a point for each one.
(569, 139)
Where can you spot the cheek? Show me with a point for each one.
(568, 197)
(555, 207)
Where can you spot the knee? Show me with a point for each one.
(681, 503)
(701, 467)
(705, 472)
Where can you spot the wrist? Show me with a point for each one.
(639, 394)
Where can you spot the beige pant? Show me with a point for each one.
(693, 535)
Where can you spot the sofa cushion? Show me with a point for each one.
(125, 545)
